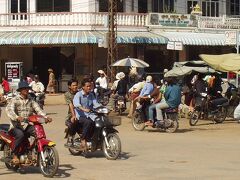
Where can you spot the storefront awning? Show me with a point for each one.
(199, 39)
(75, 37)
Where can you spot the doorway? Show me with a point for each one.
(44, 58)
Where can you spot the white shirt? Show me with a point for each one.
(115, 84)
(236, 113)
(102, 82)
(38, 87)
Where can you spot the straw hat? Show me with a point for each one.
(101, 71)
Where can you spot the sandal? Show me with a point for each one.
(15, 161)
(149, 123)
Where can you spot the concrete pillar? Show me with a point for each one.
(135, 4)
(127, 6)
(32, 6)
(149, 5)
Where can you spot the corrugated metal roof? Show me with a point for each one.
(75, 37)
(191, 38)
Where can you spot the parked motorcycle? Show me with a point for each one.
(169, 124)
(102, 95)
(205, 110)
(35, 151)
(119, 104)
(38, 97)
(104, 138)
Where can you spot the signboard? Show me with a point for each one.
(172, 19)
(13, 71)
(178, 46)
(230, 37)
(171, 45)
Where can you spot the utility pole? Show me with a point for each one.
(112, 37)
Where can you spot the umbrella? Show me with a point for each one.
(224, 62)
(131, 62)
(186, 70)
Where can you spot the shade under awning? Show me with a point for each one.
(75, 37)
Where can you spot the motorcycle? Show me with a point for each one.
(119, 104)
(170, 119)
(104, 138)
(206, 110)
(38, 97)
(35, 151)
(102, 95)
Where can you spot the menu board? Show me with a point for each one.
(12, 70)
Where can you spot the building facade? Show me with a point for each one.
(65, 34)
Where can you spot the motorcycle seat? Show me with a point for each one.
(171, 110)
(4, 127)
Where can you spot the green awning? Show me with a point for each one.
(75, 37)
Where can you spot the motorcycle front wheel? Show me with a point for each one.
(221, 115)
(49, 167)
(113, 151)
(194, 117)
(137, 122)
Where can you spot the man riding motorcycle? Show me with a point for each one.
(121, 89)
(37, 87)
(84, 101)
(172, 97)
(18, 109)
(71, 119)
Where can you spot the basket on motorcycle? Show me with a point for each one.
(114, 121)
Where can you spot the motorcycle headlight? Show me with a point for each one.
(102, 110)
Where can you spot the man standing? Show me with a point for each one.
(71, 119)
(18, 109)
(84, 101)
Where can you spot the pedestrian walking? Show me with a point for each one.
(51, 81)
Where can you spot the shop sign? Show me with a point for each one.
(230, 37)
(172, 19)
(13, 71)
(172, 45)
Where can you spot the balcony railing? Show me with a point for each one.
(218, 22)
(70, 19)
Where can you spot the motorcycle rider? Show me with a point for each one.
(71, 119)
(18, 109)
(84, 101)
(102, 81)
(172, 97)
(121, 89)
(37, 87)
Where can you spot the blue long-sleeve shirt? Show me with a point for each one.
(87, 101)
(147, 89)
(173, 95)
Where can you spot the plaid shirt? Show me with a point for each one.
(19, 106)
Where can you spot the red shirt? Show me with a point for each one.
(5, 85)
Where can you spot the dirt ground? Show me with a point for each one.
(205, 151)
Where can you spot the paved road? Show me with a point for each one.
(207, 151)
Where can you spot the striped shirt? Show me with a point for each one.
(19, 106)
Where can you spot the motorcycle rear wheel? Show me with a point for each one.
(114, 149)
(194, 118)
(138, 123)
(221, 115)
(7, 155)
(174, 125)
(50, 167)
